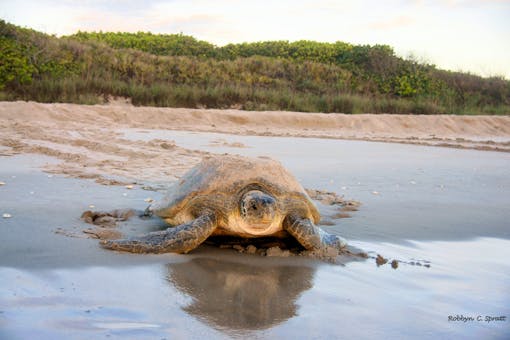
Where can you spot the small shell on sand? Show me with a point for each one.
(6, 215)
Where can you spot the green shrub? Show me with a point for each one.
(178, 70)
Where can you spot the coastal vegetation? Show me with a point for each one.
(180, 71)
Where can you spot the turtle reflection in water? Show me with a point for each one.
(233, 196)
(236, 295)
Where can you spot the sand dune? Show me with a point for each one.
(362, 126)
(87, 139)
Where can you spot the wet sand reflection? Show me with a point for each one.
(238, 295)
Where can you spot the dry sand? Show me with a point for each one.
(89, 141)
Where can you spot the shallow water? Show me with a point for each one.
(443, 207)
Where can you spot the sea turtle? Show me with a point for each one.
(232, 196)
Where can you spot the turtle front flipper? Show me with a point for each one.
(180, 239)
(310, 236)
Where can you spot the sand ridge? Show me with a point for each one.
(87, 138)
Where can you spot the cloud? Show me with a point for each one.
(395, 23)
(461, 3)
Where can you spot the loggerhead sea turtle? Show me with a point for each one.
(234, 196)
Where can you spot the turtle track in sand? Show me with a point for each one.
(94, 151)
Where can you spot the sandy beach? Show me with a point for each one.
(440, 212)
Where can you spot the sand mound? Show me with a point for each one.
(267, 122)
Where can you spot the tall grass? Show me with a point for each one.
(92, 91)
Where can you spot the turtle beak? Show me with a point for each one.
(258, 208)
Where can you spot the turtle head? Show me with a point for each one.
(257, 210)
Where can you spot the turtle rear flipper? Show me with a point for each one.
(310, 236)
(180, 239)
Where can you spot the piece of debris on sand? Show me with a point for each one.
(105, 222)
(107, 219)
(333, 199)
(277, 251)
(380, 260)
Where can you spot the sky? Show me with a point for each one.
(458, 35)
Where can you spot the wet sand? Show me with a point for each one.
(442, 213)
(452, 244)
